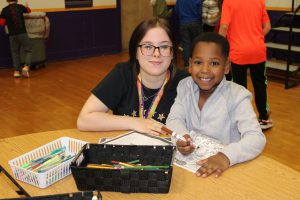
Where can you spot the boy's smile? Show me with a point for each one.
(208, 66)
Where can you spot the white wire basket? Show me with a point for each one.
(43, 180)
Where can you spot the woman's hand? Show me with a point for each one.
(216, 164)
(185, 147)
(148, 126)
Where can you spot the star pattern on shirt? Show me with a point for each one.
(134, 113)
(161, 117)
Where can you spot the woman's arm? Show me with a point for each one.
(94, 117)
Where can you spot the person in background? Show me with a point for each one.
(211, 14)
(209, 104)
(12, 16)
(160, 8)
(245, 24)
(190, 23)
(139, 92)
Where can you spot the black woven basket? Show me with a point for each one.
(123, 180)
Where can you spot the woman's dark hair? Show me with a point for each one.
(139, 33)
(214, 38)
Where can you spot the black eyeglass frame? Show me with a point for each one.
(156, 47)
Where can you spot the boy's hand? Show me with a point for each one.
(216, 164)
(185, 147)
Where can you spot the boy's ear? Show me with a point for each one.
(227, 66)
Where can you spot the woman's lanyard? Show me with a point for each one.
(151, 110)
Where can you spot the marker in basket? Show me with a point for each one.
(47, 160)
(101, 166)
(176, 135)
(55, 163)
(146, 167)
(44, 158)
(122, 163)
(149, 167)
(133, 162)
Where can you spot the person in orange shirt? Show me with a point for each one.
(245, 23)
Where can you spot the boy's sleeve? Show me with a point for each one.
(28, 10)
(177, 117)
(226, 13)
(252, 140)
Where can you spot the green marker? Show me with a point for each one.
(148, 167)
(36, 161)
(134, 162)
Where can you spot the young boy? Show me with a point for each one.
(12, 16)
(209, 104)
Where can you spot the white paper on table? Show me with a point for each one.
(207, 147)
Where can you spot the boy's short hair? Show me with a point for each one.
(214, 38)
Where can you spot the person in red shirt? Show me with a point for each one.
(245, 23)
(12, 16)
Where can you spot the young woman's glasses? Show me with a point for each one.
(149, 49)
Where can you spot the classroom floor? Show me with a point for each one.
(52, 97)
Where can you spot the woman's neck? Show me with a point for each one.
(152, 82)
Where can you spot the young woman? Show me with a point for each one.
(139, 92)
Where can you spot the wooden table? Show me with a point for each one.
(262, 178)
(6, 191)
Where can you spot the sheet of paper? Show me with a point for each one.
(207, 147)
(135, 138)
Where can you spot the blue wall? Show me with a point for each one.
(75, 34)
